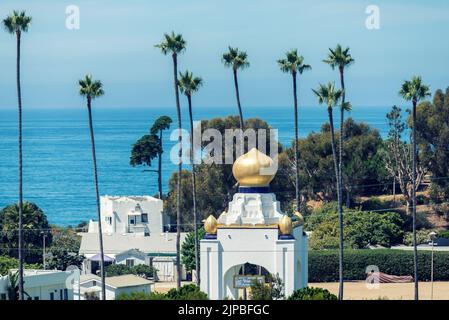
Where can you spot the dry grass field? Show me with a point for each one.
(392, 291)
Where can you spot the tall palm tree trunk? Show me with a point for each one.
(159, 167)
(195, 218)
(295, 97)
(97, 194)
(237, 94)
(19, 98)
(415, 249)
(340, 213)
(342, 121)
(178, 187)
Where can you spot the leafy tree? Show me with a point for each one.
(141, 270)
(340, 58)
(64, 250)
(8, 263)
(174, 44)
(414, 91)
(271, 289)
(34, 221)
(328, 95)
(360, 228)
(186, 292)
(16, 24)
(188, 85)
(294, 64)
(312, 294)
(432, 135)
(188, 249)
(162, 123)
(236, 60)
(92, 89)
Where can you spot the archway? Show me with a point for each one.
(248, 271)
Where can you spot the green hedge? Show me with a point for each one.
(323, 264)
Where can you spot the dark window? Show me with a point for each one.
(94, 283)
(66, 294)
(130, 262)
(131, 221)
(36, 298)
(144, 217)
(60, 294)
(52, 296)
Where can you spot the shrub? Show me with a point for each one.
(444, 234)
(7, 263)
(312, 294)
(273, 290)
(142, 270)
(187, 292)
(422, 236)
(323, 264)
(141, 296)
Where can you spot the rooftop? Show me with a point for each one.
(127, 280)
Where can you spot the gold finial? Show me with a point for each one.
(247, 169)
(299, 218)
(210, 225)
(286, 225)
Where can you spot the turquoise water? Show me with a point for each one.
(57, 154)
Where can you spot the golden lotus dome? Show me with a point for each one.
(248, 169)
(285, 225)
(210, 225)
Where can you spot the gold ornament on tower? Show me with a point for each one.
(286, 225)
(210, 225)
(248, 169)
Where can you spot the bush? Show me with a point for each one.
(323, 264)
(312, 294)
(142, 270)
(187, 292)
(273, 290)
(7, 263)
(422, 236)
(444, 234)
(141, 296)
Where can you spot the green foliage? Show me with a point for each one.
(64, 249)
(34, 221)
(422, 237)
(188, 249)
(8, 263)
(360, 228)
(323, 264)
(186, 292)
(444, 234)
(142, 270)
(272, 289)
(90, 88)
(141, 296)
(309, 293)
(145, 150)
(432, 128)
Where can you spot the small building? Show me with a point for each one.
(44, 284)
(90, 286)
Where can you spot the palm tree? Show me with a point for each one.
(188, 85)
(236, 59)
(414, 90)
(340, 58)
(92, 89)
(294, 64)
(327, 94)
(174, 44)
(16, 23)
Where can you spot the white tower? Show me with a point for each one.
(255, 231)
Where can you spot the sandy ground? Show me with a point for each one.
(391, 291)
(359, 291)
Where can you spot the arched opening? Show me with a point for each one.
(237, 279)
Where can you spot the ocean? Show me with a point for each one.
(57, 156)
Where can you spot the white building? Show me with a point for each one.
(134, 232)
(140, 215)
(254, 231)
(90, 286)
(44, 284)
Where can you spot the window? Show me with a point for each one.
(94, 283)
(52, 296)
(130, 263)
(131, 221)
(36, 298)
(144, 217)
(109, 220)
(60, 294)
(66, 294)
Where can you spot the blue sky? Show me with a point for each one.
(116, 44)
